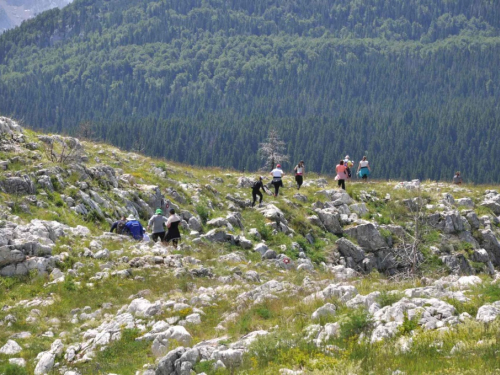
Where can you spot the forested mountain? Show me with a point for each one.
(413, 84)
(13, 12)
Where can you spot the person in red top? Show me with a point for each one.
(341, 170)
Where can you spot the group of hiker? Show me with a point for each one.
(343, 170)
(164, 229)
(167, 229)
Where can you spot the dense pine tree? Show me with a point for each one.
(413, 84)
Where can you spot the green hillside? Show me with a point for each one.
(413, 84)
(383, 278)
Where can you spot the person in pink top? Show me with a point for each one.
(341, 170)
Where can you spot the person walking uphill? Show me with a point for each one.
(157, 222)
(173, 233)
(341, 170)
(134, 228)
(299, 170)
(457, 179)
(277, 174)
(257, 185)
(364, 169)
(119, 226)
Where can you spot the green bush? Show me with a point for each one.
(408, 325)
(55, 183)
(265, 231)
(11, 369)
(386, 298)
(69, 284)
(357, 321)
(263, 312)
(203, 212)
(93, 216)
(205, 366)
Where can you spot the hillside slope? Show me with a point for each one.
(13, 12)
(415, 82)
(384, 277)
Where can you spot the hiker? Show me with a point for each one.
(157, 222)
(299, 173)
(119, 226)
(457, 179)
(173, 233)
(364, 169)
(348, 164)
(134, 228)
(277, 174)
(341, 170)
(257, 185)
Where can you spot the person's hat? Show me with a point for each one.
(261, 178)
(159, 211)
(347, 156)
(130, 217)
(278, 166)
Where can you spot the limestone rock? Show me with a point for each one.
(11, 348)
(367, 236)
(324, 312)
(488, 313)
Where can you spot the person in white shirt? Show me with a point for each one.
(364, 169)
(277, 174)
(299, 170)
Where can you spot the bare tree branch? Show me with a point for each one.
(272, 152)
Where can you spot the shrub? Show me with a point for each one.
(94, 216)
(205, 366)
(69, 284)
(55, 183)
(264, 231)
(12, 369)
(408, 325)
(203, 212)
(357, 321)
(263, 312)
(386, 298)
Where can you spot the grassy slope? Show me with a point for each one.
(285, 317)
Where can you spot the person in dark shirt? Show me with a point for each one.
(256, 187)
(173, 233)
(119, 226)
(457, 179)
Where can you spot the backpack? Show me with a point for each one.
(120, 228)
(254, 185)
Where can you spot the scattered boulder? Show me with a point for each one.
(324, 312)
(367, 236)
(488, 313)
(11, 348)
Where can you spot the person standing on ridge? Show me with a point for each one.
(299, 170)
(277, 174)
(134, 228)
(257, 185)
(457, 179)
(119, 226)
(173, 233)
(364, 169)
(157, 222)
(341, 170)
